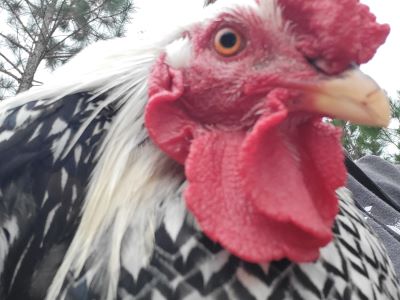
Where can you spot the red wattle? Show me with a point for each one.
(217, 197)
(279, 167)
(265, 192)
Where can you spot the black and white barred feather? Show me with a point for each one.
(41, 196)
(90, 209)
(186, 265)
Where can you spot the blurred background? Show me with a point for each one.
(37, 36)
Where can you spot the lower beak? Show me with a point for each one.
(352, 96)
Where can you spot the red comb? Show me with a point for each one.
(338, 32)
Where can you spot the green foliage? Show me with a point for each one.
(52, 31)
(363, 140)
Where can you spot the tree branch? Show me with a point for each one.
(31, 4)
(73, 33)
(20, 60)
(33, 15)
(15, 43)
(354, 150)
(97, 8)
(11, 63)
(9, 74)
(19, 20)
(389, 139)
(47, 20)
(65, 56)
(57, 20)
(97, 17)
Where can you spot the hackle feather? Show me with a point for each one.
(131, 176)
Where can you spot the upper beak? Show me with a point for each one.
(352, 96)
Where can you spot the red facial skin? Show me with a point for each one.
(262, 177)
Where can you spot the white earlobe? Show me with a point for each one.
(179, 53)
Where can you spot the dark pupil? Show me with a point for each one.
(228, 40)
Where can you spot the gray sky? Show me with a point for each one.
(385, 66)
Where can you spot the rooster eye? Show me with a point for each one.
(227, 42)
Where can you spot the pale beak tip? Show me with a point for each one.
(353, 97)
(379, 107)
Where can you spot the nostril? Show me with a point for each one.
(326, 67)
(319, 65)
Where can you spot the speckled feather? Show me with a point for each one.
(43, 195)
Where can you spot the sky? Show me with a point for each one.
(385, 66)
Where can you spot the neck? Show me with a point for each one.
(122, 206)
(130, 179)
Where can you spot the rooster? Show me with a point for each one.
(196, 162)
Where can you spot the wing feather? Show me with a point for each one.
(41, 192)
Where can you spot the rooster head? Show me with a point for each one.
(239, 100)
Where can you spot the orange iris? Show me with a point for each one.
(227, 42)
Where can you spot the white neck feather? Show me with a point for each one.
(130, 178)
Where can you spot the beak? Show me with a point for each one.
(353, 96)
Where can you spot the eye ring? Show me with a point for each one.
(227, 42)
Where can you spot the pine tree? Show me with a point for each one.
(51, 31)
(363, 140)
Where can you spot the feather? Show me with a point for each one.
(90, 203)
